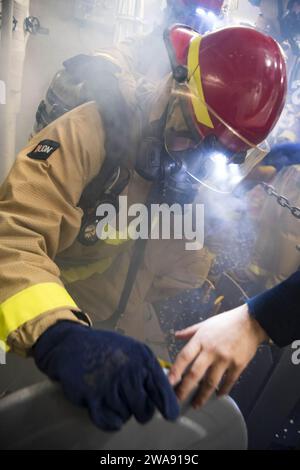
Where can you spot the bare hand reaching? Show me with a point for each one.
(217, 352)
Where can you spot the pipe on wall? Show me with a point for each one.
(7, 117)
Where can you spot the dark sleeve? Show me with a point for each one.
(278, 311)
(283, 155)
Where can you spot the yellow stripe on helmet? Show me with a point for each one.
(195, 83)
(30, 303)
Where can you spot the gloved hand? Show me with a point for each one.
(281, 155)
(114, 376)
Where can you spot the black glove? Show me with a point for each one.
(114, 376)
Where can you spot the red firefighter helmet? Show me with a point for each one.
(240, 74)
(234, 88)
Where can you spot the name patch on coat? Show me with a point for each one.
(44, 150)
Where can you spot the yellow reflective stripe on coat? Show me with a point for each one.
(30, 303)
(195, 83)
(81, 273)
(115, 237)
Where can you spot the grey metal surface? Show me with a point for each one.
(18, 373)
(277, 400)
(39, 417)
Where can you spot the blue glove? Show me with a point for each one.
(114, 376)
(282, 155)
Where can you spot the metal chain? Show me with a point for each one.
(282, 201)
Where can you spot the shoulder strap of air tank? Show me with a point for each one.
(135, 262)
(97, 186)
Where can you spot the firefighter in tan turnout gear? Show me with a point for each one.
(56, 274)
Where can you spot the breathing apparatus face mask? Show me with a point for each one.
(184, 161)
(198, 161)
